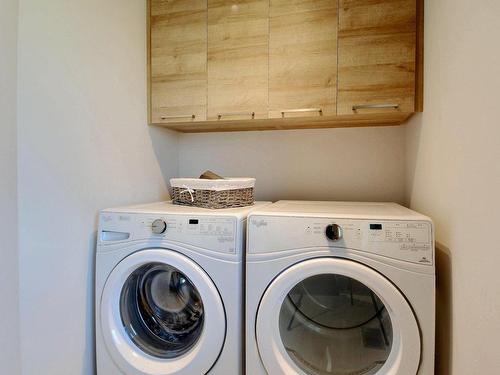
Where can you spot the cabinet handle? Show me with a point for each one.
(220, 115)
(372, 106)
(284, 111)
(178, 116)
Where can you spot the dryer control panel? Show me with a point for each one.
(410, 241)
(215, 233)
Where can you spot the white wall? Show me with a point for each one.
(332, 164)
(84, 144)
(454, 176)
(9, 313)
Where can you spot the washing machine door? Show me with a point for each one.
(339, 317)
(162, 314)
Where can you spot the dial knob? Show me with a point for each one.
(159, 226)
(334, 232)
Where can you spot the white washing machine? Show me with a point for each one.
(169, 290)
(339, 288)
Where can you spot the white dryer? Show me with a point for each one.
(339, 288)
(169, 290)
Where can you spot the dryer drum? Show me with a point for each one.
(342, 293)
(334, 324)
(161, 310)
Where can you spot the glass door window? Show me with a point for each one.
(161, 310)
(154, 314)
(334, 316)
(333, 324)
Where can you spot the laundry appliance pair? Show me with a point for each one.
(331, 288)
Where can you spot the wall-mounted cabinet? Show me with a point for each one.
(225, 65)
(178, 61)
(377, 56)
(238, 45)
(302, 58)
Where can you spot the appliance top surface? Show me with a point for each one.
(167, 207)
(348, 210)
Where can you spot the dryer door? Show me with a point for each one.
(336, 316)
(162, 314)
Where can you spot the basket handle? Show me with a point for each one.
(187, 190)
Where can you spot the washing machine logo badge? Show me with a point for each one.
(259, 223)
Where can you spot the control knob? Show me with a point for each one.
(334, 232)
(159, 226)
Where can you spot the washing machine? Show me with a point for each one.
(339, 288)
(169, 290)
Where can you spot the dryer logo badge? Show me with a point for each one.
(259, 223)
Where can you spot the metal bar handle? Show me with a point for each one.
(301, 110)
(177, 116)
(220, 115)
(374, 106)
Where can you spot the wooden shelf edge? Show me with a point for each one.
(343, 121)
(419, 67)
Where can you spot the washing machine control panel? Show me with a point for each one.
(214, 233)
(410, 241)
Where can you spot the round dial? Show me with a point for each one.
(334, 232)
(159, 226)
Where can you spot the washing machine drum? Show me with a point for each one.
(161, 310)
(337, 317)
(162, 314)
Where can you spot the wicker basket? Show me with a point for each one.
(227, 193)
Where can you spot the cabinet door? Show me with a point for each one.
(178, 53)
(302, 58)
(238, 32)
(377, 48)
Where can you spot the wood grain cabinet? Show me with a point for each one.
(224, 65)
(377, 56)
(178, 61)
(238, 44)
(302, 58)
